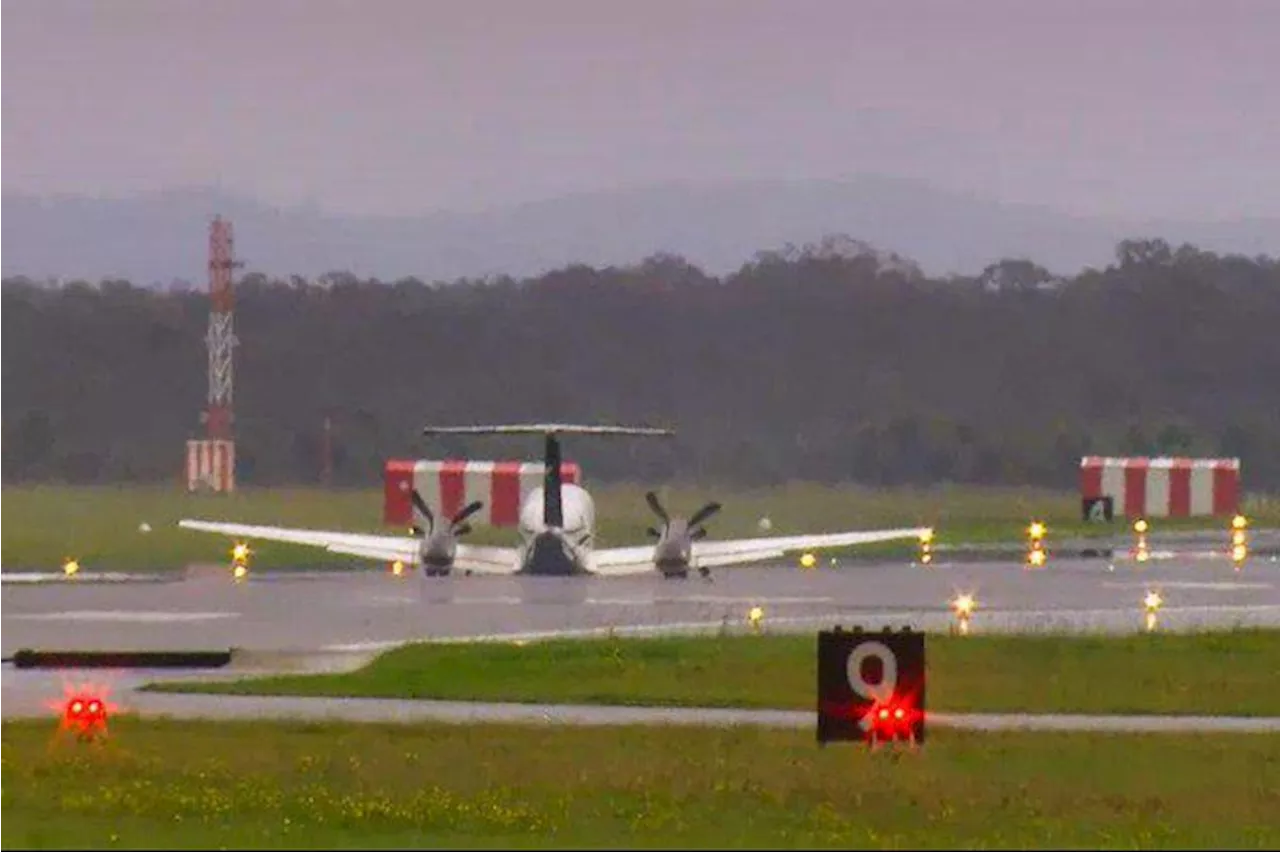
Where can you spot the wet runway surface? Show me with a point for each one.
(338, 619)
(370, 610)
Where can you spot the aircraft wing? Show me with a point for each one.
(621, 561)
(406, 546)
(468, 559)
(384, 548)
(736, 551)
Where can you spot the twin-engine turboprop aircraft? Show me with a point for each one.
(556, 528)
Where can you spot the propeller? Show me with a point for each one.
(677, 534)
(692, 525)
(457, 527)
(437, 547)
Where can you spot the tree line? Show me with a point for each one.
(830, 362)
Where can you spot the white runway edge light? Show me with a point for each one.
(1239, 539)
(1036, 554)
(240, 560)
(963, 605)
(1151, 602)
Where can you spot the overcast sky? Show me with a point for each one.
(1119, 107)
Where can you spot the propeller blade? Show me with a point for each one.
(654, 533)
(704, 513)
(462, 529)
(421, 506)
(698, 534)
(652, 499)
(466, 512)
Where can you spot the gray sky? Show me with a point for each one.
(1165, 107)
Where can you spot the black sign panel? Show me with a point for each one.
(871, 686)
(1097, 509)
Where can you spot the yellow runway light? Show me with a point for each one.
(70, 567)
(239, 571)
(240, 553)
(1151, 602)
(808, 560)
(926, 546)
(1239, 522)
(754, 616)
(397, 568)
(1037, 530)
(963, 605)
(1141, 526)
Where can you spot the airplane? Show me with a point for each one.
(556, 528)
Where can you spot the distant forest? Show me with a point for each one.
(830, 362)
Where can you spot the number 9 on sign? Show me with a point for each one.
(883, 690)
(870, 685)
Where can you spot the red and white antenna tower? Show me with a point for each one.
(221, 338)
(211, 462)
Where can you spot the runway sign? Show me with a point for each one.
(871, 686)
(1097, 510)
(1163, 487)
(211, 465)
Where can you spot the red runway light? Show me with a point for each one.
(84, 710)
(892, 720)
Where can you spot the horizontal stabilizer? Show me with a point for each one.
(546, 429)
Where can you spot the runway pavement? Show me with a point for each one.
(286, 620)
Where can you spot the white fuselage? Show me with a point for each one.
(576, 538)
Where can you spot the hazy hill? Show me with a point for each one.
(162, 237)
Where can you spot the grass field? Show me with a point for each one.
(99, 526)
(170, 784)
(1229, 672)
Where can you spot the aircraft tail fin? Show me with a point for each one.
(546, 429)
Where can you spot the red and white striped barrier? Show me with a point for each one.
(211, 465)
(1163, 487)
(449, 485)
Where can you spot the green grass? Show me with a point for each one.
(99, 526)
(170, 784)
(1229, 672)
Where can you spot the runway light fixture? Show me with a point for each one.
(239, 571)
(83, 710)
(808, 560)
(1239, 553)
(397, 568)
(926, 546)
(240, 553)
(755, 616)
(1141, 552)
(1036, 554)
(1151, 602)
(70, 567)
(963, 605)
(1239, 540)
